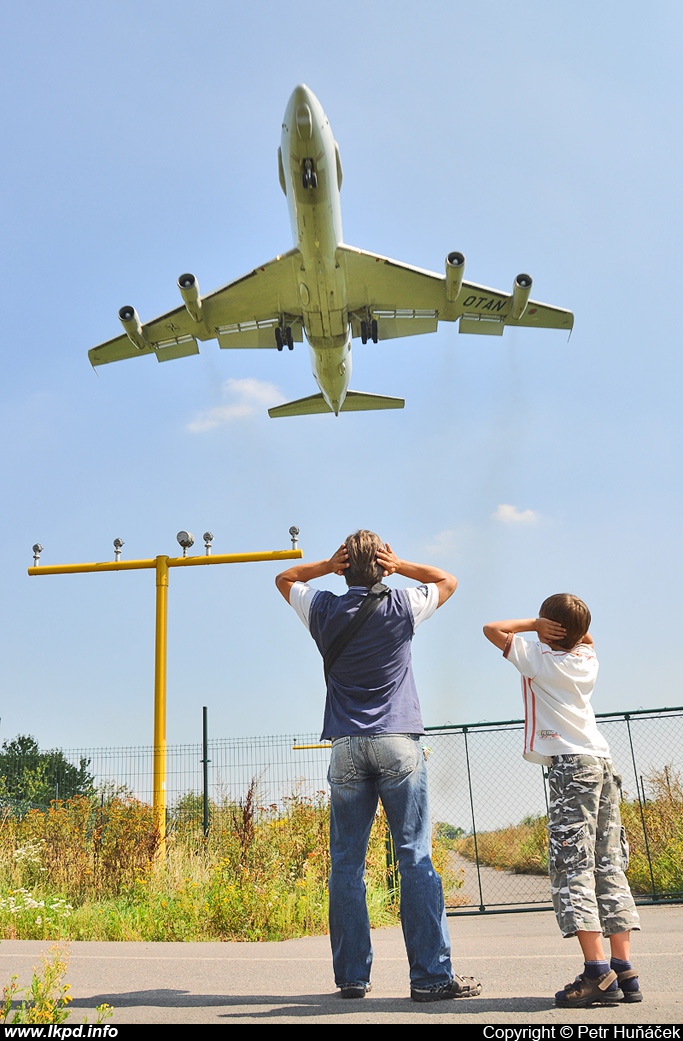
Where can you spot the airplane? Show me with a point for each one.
(323, 288)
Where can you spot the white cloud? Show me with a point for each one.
(443, 545)
(243, 398)
(511, 515)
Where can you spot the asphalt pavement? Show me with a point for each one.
(520, 959)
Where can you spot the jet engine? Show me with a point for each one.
(130, 320)
(189, 290)
(455, 270)
(521, 289)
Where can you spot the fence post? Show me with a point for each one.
(655, 895)
(205, 764)
(482, 906)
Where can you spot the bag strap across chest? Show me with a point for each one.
(370, 603)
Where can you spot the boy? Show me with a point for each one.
(586, 857)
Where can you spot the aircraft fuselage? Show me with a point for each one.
(311, 171)
(325, 289)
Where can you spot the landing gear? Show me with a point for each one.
(309, 177)
(283, 335)
(369, 331)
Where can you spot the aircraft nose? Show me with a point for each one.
(304, 121)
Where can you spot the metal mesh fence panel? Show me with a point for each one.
(488, 805)
(278, 767)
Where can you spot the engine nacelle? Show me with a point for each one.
(455, 270)
(130, 320)
(189, 290)
(521, 288)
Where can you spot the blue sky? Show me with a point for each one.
(140, 141)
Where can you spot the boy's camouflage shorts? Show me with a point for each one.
(588, 852)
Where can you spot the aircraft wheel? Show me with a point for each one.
(364, 331)
(278, 338)
(289, 340)
(375, 335)
(309, 177)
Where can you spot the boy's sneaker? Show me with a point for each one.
(354, 990)
(458, 987)
(604, 990)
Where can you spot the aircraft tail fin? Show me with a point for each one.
(354, 401)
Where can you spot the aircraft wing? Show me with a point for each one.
(408, 300)
(244, 313)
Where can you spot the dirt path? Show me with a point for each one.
(498, 887)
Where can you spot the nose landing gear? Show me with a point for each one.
(309, 177)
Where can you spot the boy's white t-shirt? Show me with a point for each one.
(556, 689)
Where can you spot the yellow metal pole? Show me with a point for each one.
(160, 648)
(161, 564)
(136, 565)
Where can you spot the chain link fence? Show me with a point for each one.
(494, 804)
(488, 805)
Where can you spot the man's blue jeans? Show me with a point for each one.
(390, 767)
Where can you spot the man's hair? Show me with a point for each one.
(570, 612)
(363, 569)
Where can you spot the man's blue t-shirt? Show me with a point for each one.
(370, 687)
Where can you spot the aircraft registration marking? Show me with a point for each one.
(484, 303)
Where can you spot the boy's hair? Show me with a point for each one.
(363, 569)
(570, 612)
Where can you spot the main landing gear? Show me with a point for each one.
(368, 331)
(309, 177)
(283, 335)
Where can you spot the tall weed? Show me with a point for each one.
(86, 871)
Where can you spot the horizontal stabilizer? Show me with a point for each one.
(309, 406)
(357, 402)
(353, 402)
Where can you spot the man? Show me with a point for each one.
(372, 717)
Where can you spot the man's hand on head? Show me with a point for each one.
(339, 561)
(387, 560)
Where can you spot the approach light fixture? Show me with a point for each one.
(37, 550)
(185, 540)
(294, 532)
(118, 545)
(208, 539)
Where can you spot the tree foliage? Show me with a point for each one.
(30, 778)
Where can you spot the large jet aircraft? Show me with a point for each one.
(324, 288)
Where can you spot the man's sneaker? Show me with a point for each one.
(458, 987)
(585, 991)
(354, 990)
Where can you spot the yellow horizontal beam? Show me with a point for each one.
(136, 565)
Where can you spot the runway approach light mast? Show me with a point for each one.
(161, 565)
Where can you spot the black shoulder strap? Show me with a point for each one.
(370, 602)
